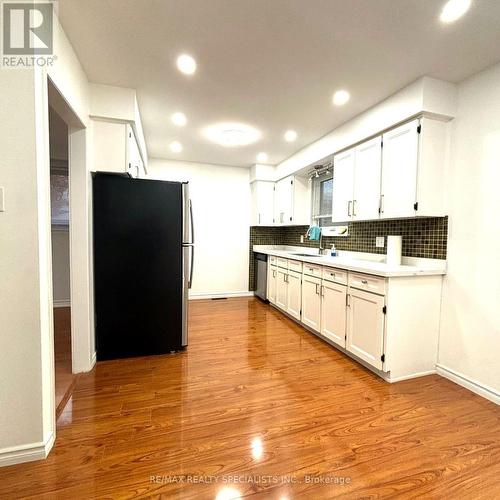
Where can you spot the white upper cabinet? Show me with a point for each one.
(399, 171)
(399, 174)
(292, 201)
(115, 149)
(262, 203)
(367, 171)
(343, 186)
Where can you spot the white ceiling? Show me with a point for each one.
(273, 64)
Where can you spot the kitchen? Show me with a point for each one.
(283, 252)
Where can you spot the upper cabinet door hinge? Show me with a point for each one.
(382, 358)
(419, 129)
(415, 206)
(384, 309)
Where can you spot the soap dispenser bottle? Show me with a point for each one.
(334, 252)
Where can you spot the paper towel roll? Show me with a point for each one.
(394, 249)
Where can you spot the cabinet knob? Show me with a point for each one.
(364, 282)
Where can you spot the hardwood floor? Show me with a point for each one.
(64, 378)
(260, 407)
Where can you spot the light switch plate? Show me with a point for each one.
(2, 200)
(380, 241)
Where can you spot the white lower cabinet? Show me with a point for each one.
(282, 288)
(311, 302)
(272, 279)
(391, 324)
(294, 294)
(365, 326)
(333, 312)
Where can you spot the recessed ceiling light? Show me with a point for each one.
(341, 97)
(262, 157)
(186, 64)
(179, 119)
(454, 9)
(290, 135)
(175, 147)
(231, 134)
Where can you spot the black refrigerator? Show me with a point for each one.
(143, 265)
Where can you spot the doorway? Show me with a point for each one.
(61, 288)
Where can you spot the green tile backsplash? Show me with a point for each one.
(422, 237)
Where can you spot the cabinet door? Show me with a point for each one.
(333, 312)
(262, 203)
(284, 201)
(399, 171)
(294, 302)
(281, 288)
(343, 184)
(367, 173)
(272, 278)
(365, 326)
(311, 302)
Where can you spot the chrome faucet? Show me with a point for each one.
(322, 250)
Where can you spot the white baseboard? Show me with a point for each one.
(473, 385)
(225, 295)
(93, 361)
(62, 303)
(408, 377)
(26, 453)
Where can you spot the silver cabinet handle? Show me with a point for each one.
(381, 208)
(349, 203)
(322, 291)
(259, 218)
(364, 282)
(317, 289)
(274, 273)
(348, 300)
(354, 208)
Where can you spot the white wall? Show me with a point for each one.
(470, 326)
(60, 266)
(221, 206)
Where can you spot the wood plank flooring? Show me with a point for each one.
(260, 408)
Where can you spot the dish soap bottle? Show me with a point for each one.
(334, 252)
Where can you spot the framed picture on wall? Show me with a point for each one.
(59, 198)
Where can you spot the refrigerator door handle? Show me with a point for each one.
(191, 267)
(192, 220)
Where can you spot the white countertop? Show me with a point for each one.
(359, 262)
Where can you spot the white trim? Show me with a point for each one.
(224, 295)
(391, 380)
(93, 361)
(473, 385)
(27, 452)
(62, 303)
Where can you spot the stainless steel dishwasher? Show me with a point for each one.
(261, 276)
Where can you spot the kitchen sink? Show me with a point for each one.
(306, 255)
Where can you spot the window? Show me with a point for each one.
(322, 198)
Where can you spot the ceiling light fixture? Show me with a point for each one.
(231, 134)
(341, 97)
(179, 119)
(454, 9)
(176, 147)
(262, 157)
(290, 135)
(186, 64)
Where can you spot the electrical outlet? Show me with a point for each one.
(380, 241)
(302, 238)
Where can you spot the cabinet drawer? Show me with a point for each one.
(367, 282)
(281, 262)
(295, 265)
(272, 260)
(335, 275)
(312, 270)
